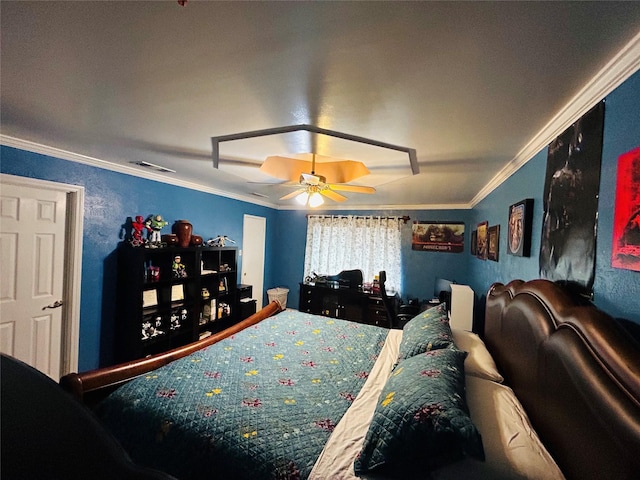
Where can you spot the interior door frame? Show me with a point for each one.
(72, 275)
(258, 293)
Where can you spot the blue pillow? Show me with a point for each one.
(421, 421)
(426, 331)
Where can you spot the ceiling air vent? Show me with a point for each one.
(153, 166)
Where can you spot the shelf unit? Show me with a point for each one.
(164, 302)
(246, 303)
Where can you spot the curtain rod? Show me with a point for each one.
(405, 218)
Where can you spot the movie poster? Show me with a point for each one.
(567, 249)
(626, 221)
(438, 236)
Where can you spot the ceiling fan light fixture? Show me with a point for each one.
(315, 200)
(310, 197)
(302, 198)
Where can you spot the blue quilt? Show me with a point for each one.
(259, 405)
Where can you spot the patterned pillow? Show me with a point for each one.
(421, 421)
(426, 331)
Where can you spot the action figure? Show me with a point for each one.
(138, 227)
(179, 270)
(219, 241)
(154, 224)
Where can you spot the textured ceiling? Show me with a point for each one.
(475, 88)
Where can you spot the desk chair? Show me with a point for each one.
(390, 303)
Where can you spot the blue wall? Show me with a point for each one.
(111, 197)
(419, 268)
(616, 291)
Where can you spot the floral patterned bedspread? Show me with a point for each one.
(260, 404)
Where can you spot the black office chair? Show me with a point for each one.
(390, 303)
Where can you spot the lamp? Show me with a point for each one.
(315, 200)
(311, 196)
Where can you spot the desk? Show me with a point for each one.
(345, 303)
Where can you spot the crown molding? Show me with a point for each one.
(337, 208)
(612, 75)
(114, 167)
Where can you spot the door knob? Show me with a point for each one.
(56, 304)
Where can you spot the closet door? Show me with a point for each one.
(253, 247)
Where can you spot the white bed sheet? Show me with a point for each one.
(336, 459)
(513, 450)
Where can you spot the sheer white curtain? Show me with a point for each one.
(370, 244)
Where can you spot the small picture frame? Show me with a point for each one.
(149, 298)
(519, 228)
(482, 240)
(177, 293)
(493, 249)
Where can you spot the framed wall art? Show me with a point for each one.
(481, 249)
(474, 242)
(626, 221)
(438, 236)
(519, 228)
(493, 250)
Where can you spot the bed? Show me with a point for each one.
(551, 392)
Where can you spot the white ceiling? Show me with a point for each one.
(476, 88)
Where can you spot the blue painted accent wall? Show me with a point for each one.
(110, 198)
(616, 291)
(419, 268)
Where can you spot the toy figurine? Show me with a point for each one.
(138, 227)
(175, 319)
(153, 273)
(154, 224)
(219, 241)
(156, 330)
(179, 270)
(146, 330)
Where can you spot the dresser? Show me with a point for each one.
(346, 303)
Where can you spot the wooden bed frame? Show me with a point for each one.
(576, 372)
(92, 386)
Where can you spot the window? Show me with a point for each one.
(371, 244)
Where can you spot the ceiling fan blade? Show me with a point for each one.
(352, 188)
(293, 194)
(335, 196)
(336, 171)
(284, 167)
(341, 171)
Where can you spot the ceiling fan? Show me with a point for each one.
(312, 187)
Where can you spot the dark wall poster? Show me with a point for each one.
(567, 249)
(438, 236)
(626, 220)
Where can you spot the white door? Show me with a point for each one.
(253, 240)
(32, 248)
